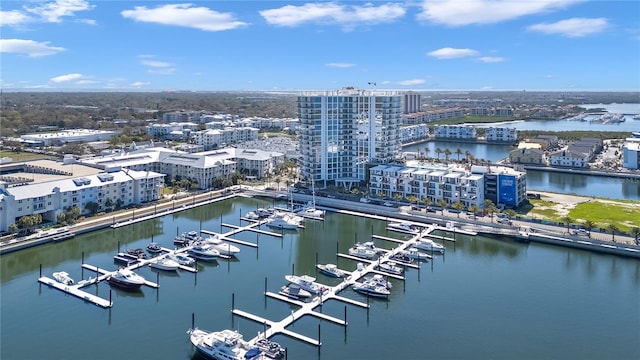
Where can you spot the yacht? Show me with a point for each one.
(401, 257)
(429, 245)
(371, 246)
(306, 282)
(310, 211)
(402, 227)
(165, 263)
(362, 252)
(416, 254)
(294, 291)
(371, 289)
(284, 220)
(259, 214)
(379, 280)
(181, 259)
(331, 270)
(224, 248)
(204, 252)
(154, 248)
(63, 278)
(391, 268)
(224, 345)
(185, 239)
(126, 279)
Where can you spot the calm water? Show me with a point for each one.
(493, 152)
(486, 298)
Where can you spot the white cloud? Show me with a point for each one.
(29, 47)
(139, 84)
(452, 53)
(332, 13)
(491, 59)
(185, 15)
(67, 78)
(52, 12)
(153, 63)
(340, 65)
(157, 67)
(412, 82)
(466, 12)
(162, 71)
(575, 27)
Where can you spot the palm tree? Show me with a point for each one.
(426, 201)
(636, 234)
(510, 213)
(613, 228)
(491, 208)
(397, 197)
(468, 156)
(442, 203)
(412, 199)
(567, 221)
(447, 153)
(474, 209)
(588, 225)
(458, 152)
(438, 151)
(458, 205)
(426, 152)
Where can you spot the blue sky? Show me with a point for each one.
(271, 45)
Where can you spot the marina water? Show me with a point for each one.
(485, 298)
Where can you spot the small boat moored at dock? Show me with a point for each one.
(154, 248)
(371, 289)
(306, 282)
(294, 291)
(416, 254)
(362, 252)
(223, 247)
(126, 279)
(224, 345)
(63, 278)
(181, 259)
(331, 270)
(391, 268)
(204, 252)
(429, 245)
(165, 264)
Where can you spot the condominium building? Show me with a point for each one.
(50, 198)
(500, 134)
(342, 132)
(212, 139)
(465, 132)
(413, 132)
(631, 153)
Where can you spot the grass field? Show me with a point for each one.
(23, 156)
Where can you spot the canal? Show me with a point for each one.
(485, 298)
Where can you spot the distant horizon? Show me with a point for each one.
(424, 45)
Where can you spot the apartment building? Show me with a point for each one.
(342, 132)
(212, 139)
(501, 134)
(464, 132)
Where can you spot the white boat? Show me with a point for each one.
(636, 117)
(331, 270)
(294, 291)
(306, 282)
(224, 248)
(187, 238)
(63, 277)
(154, 248)
(403, 227)
(429, 245)
(362, 252)
(402, 257)
(126, 279)
(379, 280)
(311, 211)
(259, 214)
(181, 259)
(391, 268)
(223, 345)
(416, 254)
(284, 220)
(204, 252)
(372, 289)
(370, 245)
(165, 263)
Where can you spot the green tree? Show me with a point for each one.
(92, 207)
(458, 152)
(443, 204)
(427, 150)
(72, 214)
(510, 213)
(426, 201)
(491, 208)
(474, 209)
(13, 228)
(412, 199)
(447, 153)
(108, 204)
(397, 197)
(458, 205)
(438, 151)
(567, 220)
(62, 218)
(588, 225)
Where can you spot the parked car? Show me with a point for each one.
(365, 200)
(580, 232)
(386, 203)
(504, 220)
(430, 209)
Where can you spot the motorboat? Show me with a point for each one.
(310, 211)
(186, 239)
(379, 280)
(370, 245)
(63, 277)
(362, 252)
(224, 248)
(294, 291)
(154, 248)
(204, 252)
(165, 263)
(371, 289)
(139, 253)
(402, 257)
(403, 227)
(181, 259)
(284, 220)
(126, 258)
(429, 245)
(126, 279)
(307, 283)
(416, 254)
(259, 214)
(391, 268)
(271, 349)
(224, 345)
(331, 270)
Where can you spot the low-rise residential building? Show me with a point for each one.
(501, 134)
(631, 154)
(212, 139)
(567, 158)
(528, 156)
(464, 132)
(108, 189)
(66, 136)
(172, 131)
(413, 133)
